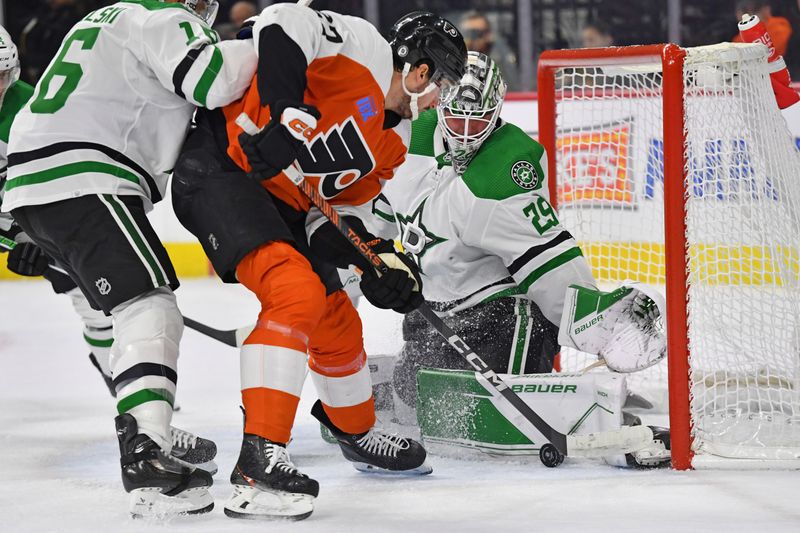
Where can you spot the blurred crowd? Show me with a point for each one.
(489, 26)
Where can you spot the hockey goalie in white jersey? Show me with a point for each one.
(472, 205)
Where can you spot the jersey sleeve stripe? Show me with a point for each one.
(183, 69)
(208, 77)
(21, 158)
(536, 251)
(537, 273)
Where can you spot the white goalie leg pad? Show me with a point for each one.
(587, 408)
(144, 361)
(253, 502)
(623, 326)
(151, 503)
(381, 368)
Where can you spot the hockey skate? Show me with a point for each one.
(377, 450)
(160, 485)
(194, 450)
(655, 455)
(267, 486)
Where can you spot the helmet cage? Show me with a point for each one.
(469, 112)
(209, 14)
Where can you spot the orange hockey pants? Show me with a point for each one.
(296, 319)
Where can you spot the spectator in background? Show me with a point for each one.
(239, 12)
(478, 36)
(596, 34)
(779, 28)
(42, 35)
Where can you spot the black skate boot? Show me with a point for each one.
(376, 450)
(194, 450)
(160, 486)
(267, 486)
(656, 455)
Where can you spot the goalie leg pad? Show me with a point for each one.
(459, 408)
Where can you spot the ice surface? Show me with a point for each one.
(59, 461)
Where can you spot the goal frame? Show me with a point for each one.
(672, 59)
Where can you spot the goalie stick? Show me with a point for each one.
(625, 440)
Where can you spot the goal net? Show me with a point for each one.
(652, 141)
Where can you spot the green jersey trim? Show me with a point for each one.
(422, 131)
(14, 99)
(507, 164)
(71, 169)
(208, 77)
(537, 273)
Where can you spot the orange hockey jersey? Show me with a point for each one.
(348, 70)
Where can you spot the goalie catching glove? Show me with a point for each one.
(280, 142)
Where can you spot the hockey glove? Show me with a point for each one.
(280, 142)
(27, 259)
(400, 289)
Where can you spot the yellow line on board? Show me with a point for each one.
(188, 259)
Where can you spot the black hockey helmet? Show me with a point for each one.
(422, 37)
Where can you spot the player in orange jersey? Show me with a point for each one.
(339, 81)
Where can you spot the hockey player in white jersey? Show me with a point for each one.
(88, 155)
(26, 258)
(472, 206)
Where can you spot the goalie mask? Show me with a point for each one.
(9, 62)
(469, 112)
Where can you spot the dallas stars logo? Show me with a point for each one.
(416, 238)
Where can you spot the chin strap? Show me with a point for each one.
(414, 104)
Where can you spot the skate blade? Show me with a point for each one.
(209, 466)
(151, 503)
(422, 470)
(253, 503)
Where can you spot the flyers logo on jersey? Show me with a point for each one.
(340, 157)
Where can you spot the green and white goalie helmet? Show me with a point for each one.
(205, 9)
(9, 61)
(469, 112)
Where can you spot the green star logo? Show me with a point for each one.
(416, 238)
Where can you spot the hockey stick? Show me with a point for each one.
(7, 243)
(622, 441)
(231, 337)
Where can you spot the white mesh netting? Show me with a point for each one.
(743, 219)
